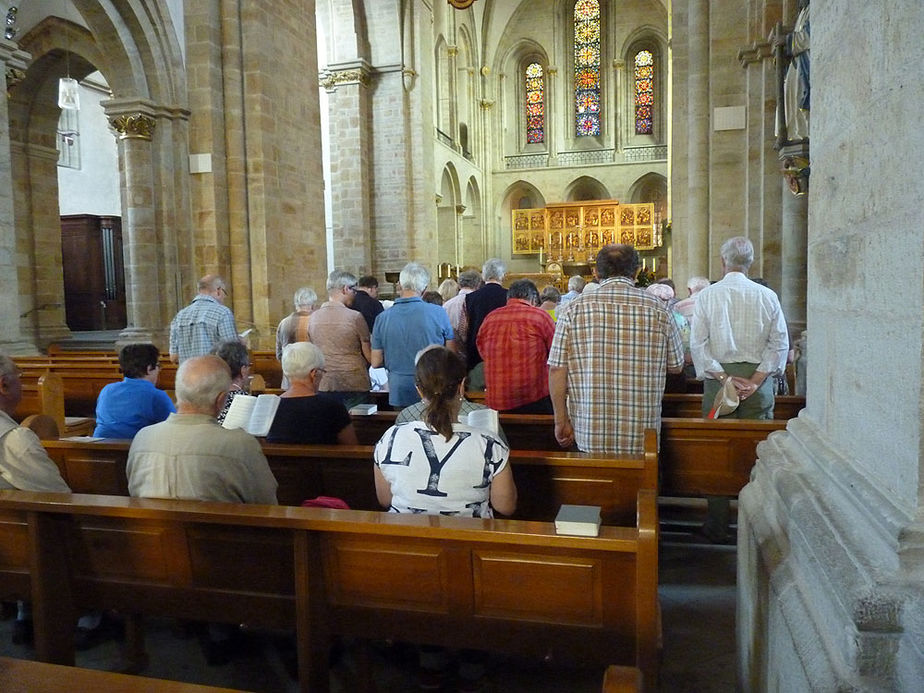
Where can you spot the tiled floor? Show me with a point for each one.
(698, 610)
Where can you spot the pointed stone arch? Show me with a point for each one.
(586, 188)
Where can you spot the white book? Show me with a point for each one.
(580, 520)
(486, 419)
(254, 414)
(364, 409)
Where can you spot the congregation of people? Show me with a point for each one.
(596, 359)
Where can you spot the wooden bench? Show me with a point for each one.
(545, 479)
(39, 677)
(689, 406)
(504, 585)
(43, 394)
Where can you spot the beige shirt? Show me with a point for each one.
(24, 464)
(191, 457)
(340, 334)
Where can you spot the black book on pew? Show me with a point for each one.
(580, 520)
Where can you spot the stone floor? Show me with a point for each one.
(697, 591)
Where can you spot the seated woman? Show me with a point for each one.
(305, 415)
(436, 465)
(235, 354)
(124, 408)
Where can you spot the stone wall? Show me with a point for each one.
(831, 566)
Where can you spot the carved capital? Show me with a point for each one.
(485, 70)
(551, 71)
(13, 77)
(486, 105)
(460, 209)
(134, 126)
(452, 51)
(619, 64)
(331, 80)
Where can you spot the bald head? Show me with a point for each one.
(202, 383)
(213, 285)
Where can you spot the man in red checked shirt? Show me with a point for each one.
(514, 342)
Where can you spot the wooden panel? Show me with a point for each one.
(100, 472)
(14, 556)
(387, 573)
(237, 558)
(115, 548)
(538, 588)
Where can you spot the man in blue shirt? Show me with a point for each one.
(406, 328)
(124, 408)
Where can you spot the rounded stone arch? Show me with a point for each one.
(586, 188)
(520, 194)
(652, 39)
(135, 47)
(651, 187)
(512, 64)
(448, 213)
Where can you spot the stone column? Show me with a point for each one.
(134, 124)
(349, 100)
(698, 105)
(14, 62)
(793, 238)
(553, 134)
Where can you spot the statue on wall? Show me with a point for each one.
(796, 85)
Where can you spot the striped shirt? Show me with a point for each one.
(617, 344)
(737, 320)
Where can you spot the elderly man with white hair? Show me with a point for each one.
(406, 328)
(694, 286)
(189, 456)
(294, 327)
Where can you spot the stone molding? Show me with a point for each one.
(755, 53)
(820, 580)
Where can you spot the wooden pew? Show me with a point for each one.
(546, 479)
(417, 578)
(675, 405)
(39, 677)
(43, 394)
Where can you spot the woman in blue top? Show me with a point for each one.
(123, 409)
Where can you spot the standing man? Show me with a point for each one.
(738, 332)
(366, 299)
(576, 285)
(609, 359)
(515, 342)
(469, 281)
(477, 306)
(406, 328)
(343, 337)
(694, 286)
(204, 323)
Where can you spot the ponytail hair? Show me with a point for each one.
(439, 373)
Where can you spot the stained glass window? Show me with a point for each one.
(535, 104)
(587, 67)
(644, 92)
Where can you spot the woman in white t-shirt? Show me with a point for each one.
(437, 466)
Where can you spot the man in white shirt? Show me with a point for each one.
(739, 332)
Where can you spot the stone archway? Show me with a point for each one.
(137, 52)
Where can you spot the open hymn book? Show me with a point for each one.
(486, 419)
(253, 414)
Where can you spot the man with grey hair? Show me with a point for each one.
(204, 323)
(739, 333)
(294, 327)
(189, 456)
(478, 304)
(406, 328)
(576, 285)
(469, 281)
(694, 286)
(342, 335)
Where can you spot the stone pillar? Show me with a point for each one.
(134, 124)
(793, 237)
(553, 134)
(349, 101)
(697, 232)
(14, 62)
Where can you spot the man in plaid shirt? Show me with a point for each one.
(203, 323)
(610, 356)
